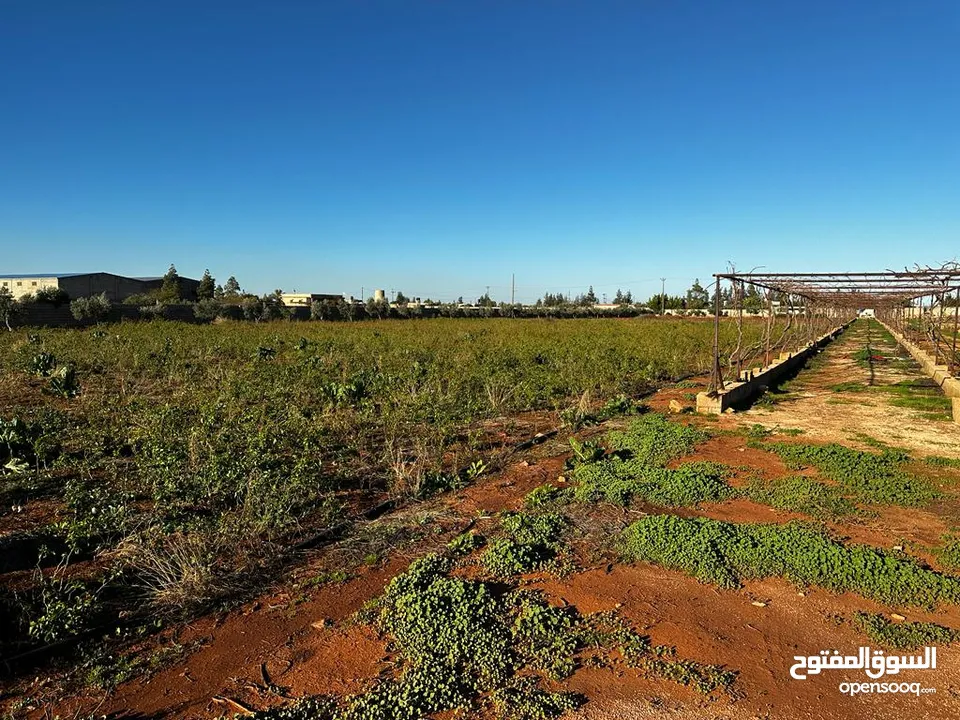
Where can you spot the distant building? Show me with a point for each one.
(76, 285)
(296, 300)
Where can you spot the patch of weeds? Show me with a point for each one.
(619, 406)
(725, 554)
(546, 495)
(327, 577)
(871, 441)
(850, 387)
(801, 494)
(867, 356)
(654, 440)
(318, 707)
(466, 543)
(532, 543)
(621, 481)
(64, 382)
(922, 395)
(687, 384)
(933, 404)
(42, 364)
(703, 678)
(903, 635)
(774, 396)
(949, 554)
(523, 699)
(869, 477)
(544, 637)
(943, 462)
(583, 453)
(64, 609)
(758, 432)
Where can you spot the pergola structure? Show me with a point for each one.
(810, 304)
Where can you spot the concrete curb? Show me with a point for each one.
(939, 373)
(753, 382)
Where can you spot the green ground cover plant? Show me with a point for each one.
(655, 440)
(868, 477)
(633, 468)
(798, 493)
(725, 554)
(623, 481)
(903, 635)
(531, 542)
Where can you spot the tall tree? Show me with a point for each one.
(170, 287)
(207, 287)
(486, 301)
(231, 288)
(697, 296)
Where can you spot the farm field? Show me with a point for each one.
(337, 521)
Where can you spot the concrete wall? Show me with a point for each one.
(21, 286)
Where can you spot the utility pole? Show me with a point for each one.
(663, 297)
(513, 287)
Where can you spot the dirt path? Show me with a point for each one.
(845, 397)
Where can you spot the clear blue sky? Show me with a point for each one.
(437, 147)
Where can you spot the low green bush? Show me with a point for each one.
(869, 477)
(531, 543)
(621, 481)
(725, 554)
(799, 493)
(903, 635)
(655, 440)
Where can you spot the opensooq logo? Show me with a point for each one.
(875, 664)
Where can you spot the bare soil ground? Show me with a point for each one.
(305, 639)
(817, 403)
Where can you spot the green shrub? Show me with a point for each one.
(95, 307)
(63, 609)
(64, 382)
(42, 364)
(725, 554)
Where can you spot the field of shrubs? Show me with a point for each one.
(152, 468)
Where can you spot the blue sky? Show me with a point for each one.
(438, 147)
